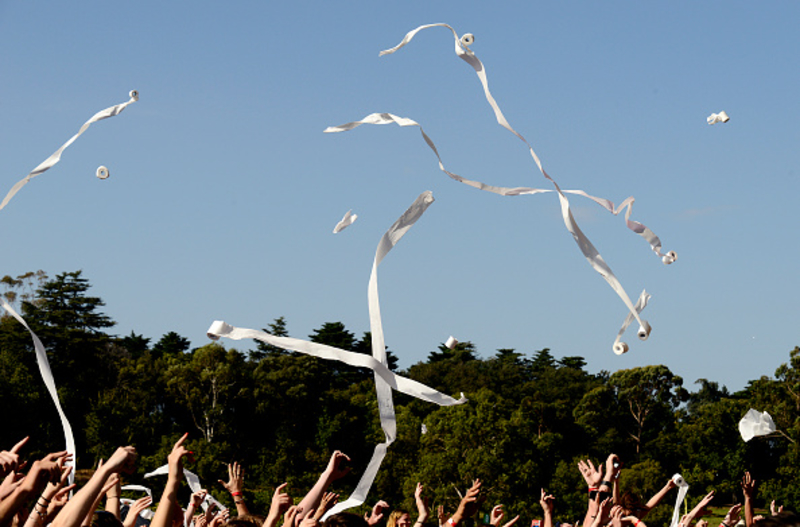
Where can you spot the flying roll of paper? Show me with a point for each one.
(755, 423)
(715, 118)
(102, 172)
(451, 342)
(669, 258)
(134, 95)
(620, 348)
(683, 488)
(644, 331)
(346, 221)
(467, 39)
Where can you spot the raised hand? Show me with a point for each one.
(591, 475)
(748, 485)
(9, 459)
(774, 509)
(235, 483)
(329, 499)
(337, 465)
(732, 518)
(423, 504)
(136, 509)
(376, 515)
(547, 501)
(497, 515)
(469, 504)
(123, 460)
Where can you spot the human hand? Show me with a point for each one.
(235, 482)
(219, 518)
(423, 504)
(123, 460)
(136, 509)
(200, 520)
(198, 497)
(9, 459)
(329, 499)
(376, 515)
(612, 467)
(111, 482)
(512, 521)
(616, 516)
(758, 518)
(281, 501)
(441, 515)
(732, 518)
(547, 501)
(469, 504)
(310, 520)
(590, 474)
(336, 465)
(699, 509)
(175, 458)
(10, 484)
(774, 510)
(289, 516)
(603, 510)
(748, 486)
(497, 515)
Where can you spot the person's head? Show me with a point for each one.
(105, 519)
(399, 519)
(247, 520)
(345, 519)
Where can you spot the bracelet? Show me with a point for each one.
(239, 501)
(607, 483)
(237, 493)
(592, 489)
(43, 498)
(113, 497)
(723, 524)
(638, 521)
(451, 522)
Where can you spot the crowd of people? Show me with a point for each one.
(38, 494)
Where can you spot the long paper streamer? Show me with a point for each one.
(382, 388)
(147, 514)
(401, 384)
(589, 251)
(50, 383)
(194, 483)
(55, 157)
(683, 488)
(346, 221)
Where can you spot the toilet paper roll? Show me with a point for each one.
(644, 330)
(620, 348)
(102, 172)
(217, 328)
(467, 39)
(715, 118)
(451, 342)
(134, 95)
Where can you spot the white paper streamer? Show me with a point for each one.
(56, 156)
(102, 172)
(194, 483)
(588, 250)
(621, 347)
(147, 514)
(401, 384)
(347, 220)
(715, 118)
(382, 389)
(755, 424)
(683, 488)
(50, 383)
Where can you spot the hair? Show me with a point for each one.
(105, 519)
(393, 517)
(346, 519)
(782, 519)
(245, 520)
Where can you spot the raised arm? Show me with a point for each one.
(687, 520)
(593, 477)
(79, 506)
(194, 502)
(336, 469)
(749, 491)
(42, 471)
(656, 499)
(468, 505)
(235, 486)
(547, 501)
(423, 505)
(169, 498)
(281, 501)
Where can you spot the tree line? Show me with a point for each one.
(529, 419)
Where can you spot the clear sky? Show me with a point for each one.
(224, 190)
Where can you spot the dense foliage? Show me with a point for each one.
(528, 422)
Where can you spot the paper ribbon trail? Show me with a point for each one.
(715, 118)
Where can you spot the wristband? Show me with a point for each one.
(451, 522)
(592, 488)
(237, 493)
(608, 483)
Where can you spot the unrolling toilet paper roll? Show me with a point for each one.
(620, 348)
(644, 330)
(102, 172)
(467, 39)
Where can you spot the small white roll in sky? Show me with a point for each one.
(102, 172)
(715, 118)
(620, 348)
(644, 330)
(347, 220)
(467, 39)
(451, 342)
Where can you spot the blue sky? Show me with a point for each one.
(224, 190)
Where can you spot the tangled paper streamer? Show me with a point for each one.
(346, 221)
(50, 383)
(715, 118)
(55, 157)
(756, 424)
(589, 251)
(385, 379)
